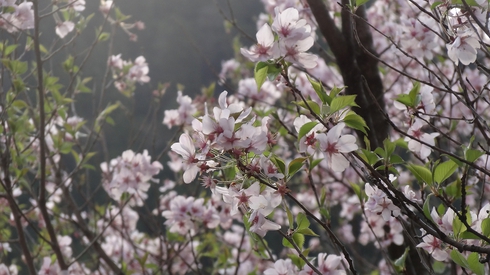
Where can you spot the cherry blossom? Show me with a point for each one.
(288, 25)
(48, 268)
(295, 52)
(327, 265)
(281, 267)
(260, 225)
(186, 149)
(139, 71)
(463, 48)
(130, 173)
(64, 28)
(379, 203)
(422, 150)
(434, 247)
(265, 47)
(334, 145)
(8, 270)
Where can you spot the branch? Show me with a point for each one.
(42, 144)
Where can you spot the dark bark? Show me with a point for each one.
(356, 63)
(353, 49)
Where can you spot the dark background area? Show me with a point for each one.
(184, 42)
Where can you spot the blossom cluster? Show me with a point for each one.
(130, 173)
(14, 18)
(294, 39)
(127, 73)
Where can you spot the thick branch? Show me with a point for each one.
(354, 63)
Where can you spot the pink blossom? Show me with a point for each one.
(434, 247)
(139, 71)
(24, 16)
(264, 49)
(186, 149)
(288, 25)
(294, 52)
(47, 268)
(379, 203)
(334, 145)
(78, 5)
(463, 48)
(260, 225)
(63, 28)
(115, 61)
(327, 265)
(281, 267)
(422, 150)
(105, 6)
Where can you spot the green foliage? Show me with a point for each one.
(411, 100)
(355, 121)
(320, 91)
(422, 173)
(295, 165)
(444, 170)
(264, 70)
(306, 128)
(400, 262)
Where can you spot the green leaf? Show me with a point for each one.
(290, 217)
(458, 227)
(459, 259)
(355, 121)
(320, 91)
(369, 156)
(454, 189)
(325, 213)
(396, 159)
(302, 221)
(422, 173)
(287, 243)
(426, 207)
(435, 4)
(414, 94)
(102, 116)
(361, 2)
(104, 36)
(405, 100)
(485, 227)
(306, 128)
(472, 154)
(389, 147)
(295, 259)
(310, 104)
(273, 71)
(19, 104)
(9, 49)
(444, 170)
(400, 262)
(335, 91)
(475, 265)
(439, 267)
(66, 147)
(340, 102)
(295, 165)
(15, 66)
(468, 235)
(314, 163)
(299, 239)
(260, 73)
(460, 2)
(307, 232)
(281, 166)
